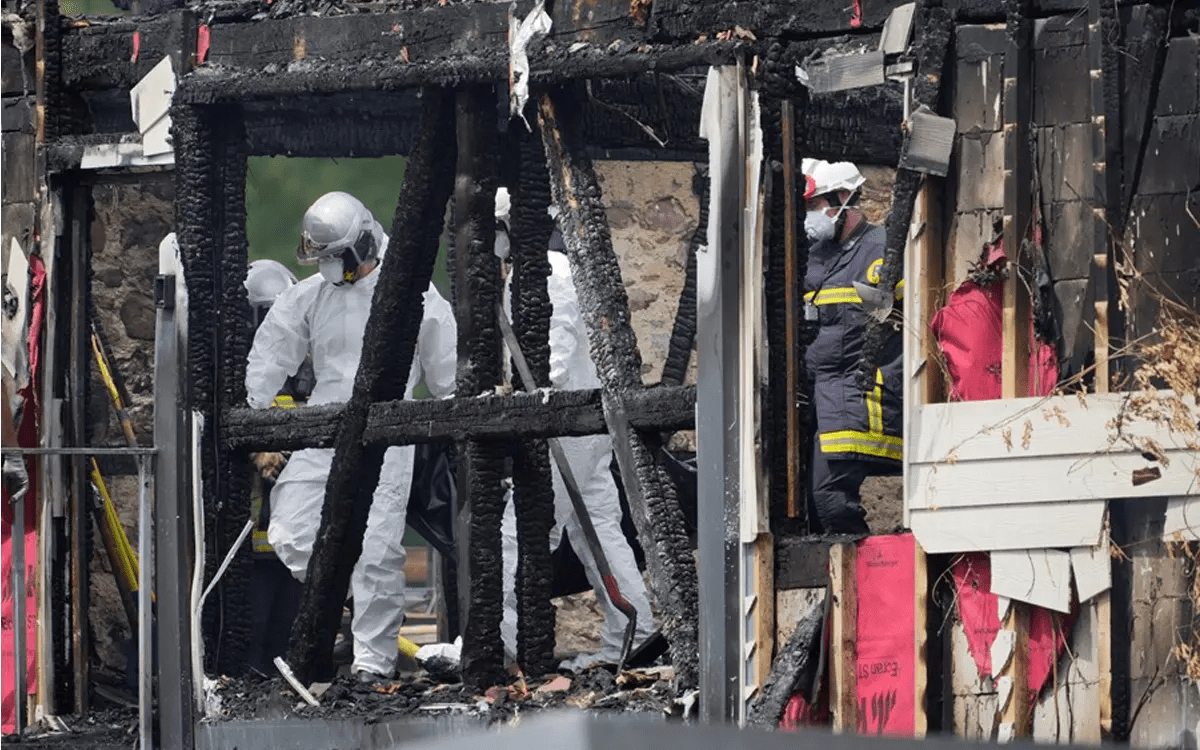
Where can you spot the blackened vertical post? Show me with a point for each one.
(792, 279)
(477, 283)
(389, 346)
(533, 488)
(604, 305)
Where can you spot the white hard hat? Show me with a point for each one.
(337, 222)
(267, 279)
(821, 177)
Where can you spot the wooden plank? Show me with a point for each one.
(1017, 111)
(953, 434)
(764, 610)
(1072, 523)
(1010, 665)
(844, 636)
(921, 640)
(1103, 629)
(1035, 576)
(924, 268)
(791, 294)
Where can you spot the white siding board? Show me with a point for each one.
(1019, 526)
(1037, 576)
(1183, 519)
(1051, 426)
(1092, 567)
(1047, 479)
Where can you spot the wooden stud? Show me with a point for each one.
(764, 608)
(1014, 700)
(1102, 621)
(920, 639)
(843, 646)
(1018, 173)
(795, 490)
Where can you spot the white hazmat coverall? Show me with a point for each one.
(329, 321)
(571, 368)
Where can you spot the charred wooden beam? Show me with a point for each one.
(935, 24)
(605, 309)
(389, 344)
(477, 287)
(533, 486)
(794, 668)
(510, 417)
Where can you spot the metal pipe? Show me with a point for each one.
(75, 451)
(145, 613)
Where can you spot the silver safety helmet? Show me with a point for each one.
(335, 223)
(267, 279)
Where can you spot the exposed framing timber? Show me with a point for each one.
(792, 279)
(491, 416)
(843, 648)
(613, 344)
(1017, 108)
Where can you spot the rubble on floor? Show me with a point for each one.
(648, 690)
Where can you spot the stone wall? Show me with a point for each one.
(128, 223)
(652, 212)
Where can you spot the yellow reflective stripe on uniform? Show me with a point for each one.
(834, 296)
(875, 405)
(844, 295)
(873, 275)
(285, 402)
(867, 443)
(258, 540)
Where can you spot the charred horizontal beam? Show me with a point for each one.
(520, 415)
(212, 85)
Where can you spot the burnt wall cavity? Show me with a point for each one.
(604, 305)
(389, 345)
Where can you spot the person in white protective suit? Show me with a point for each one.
(590, 457)
(326, 315)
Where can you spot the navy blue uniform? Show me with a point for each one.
(855, 433)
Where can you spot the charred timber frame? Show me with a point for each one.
(533, 484)
(494, 417)
(605, 308)
(389, 345)
(481, 491)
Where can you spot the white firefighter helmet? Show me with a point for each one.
(267, 279)
(822, 177)
(337, 222)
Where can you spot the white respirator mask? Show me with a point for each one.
(333, 271)
(820, 226)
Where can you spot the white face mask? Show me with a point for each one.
(820, 226)
(331, 270)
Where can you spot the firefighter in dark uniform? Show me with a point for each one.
(274, 591)
(855, 433)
